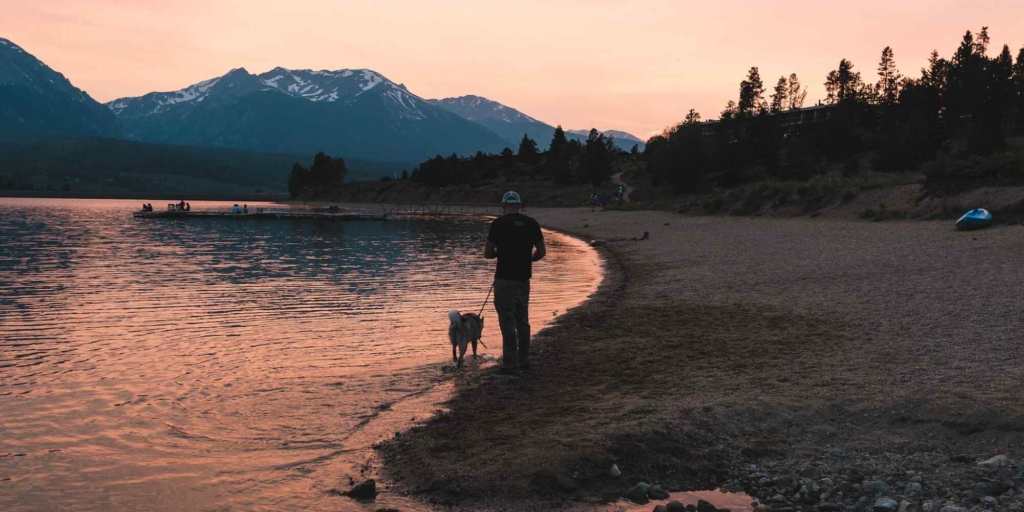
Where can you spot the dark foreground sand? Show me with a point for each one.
(727, 342)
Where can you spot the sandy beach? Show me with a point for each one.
(756, 354)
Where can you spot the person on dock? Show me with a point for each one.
(511, 240)
(245, 208)
(188, 207)
(235, 209)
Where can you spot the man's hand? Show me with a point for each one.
(491, 250)
(540, 252)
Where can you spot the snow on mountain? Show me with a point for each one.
(316, 86)
(477, 108)
(355, 112)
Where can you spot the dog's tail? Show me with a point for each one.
(455, 317)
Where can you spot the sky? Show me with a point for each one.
(637, 66)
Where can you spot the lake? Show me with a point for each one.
(216, 364)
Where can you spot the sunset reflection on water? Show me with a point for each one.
(175, 365)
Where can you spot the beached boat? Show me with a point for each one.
(974, 219)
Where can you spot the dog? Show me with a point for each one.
(464, 329)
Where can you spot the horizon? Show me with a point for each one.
(644, 71)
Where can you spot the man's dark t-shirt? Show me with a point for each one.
(514, 235)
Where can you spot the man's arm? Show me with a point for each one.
(540, 252)
(490, 250)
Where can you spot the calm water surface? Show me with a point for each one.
(218, 364)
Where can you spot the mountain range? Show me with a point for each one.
(37, 102)
(511, 124)
(355, 113)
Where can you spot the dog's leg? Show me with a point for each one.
(474, 349)
(455, 358)
(462, 353)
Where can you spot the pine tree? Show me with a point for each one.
(298, 180)
(558, 141)
(832, 87)
(844, 84)
(557, 163)
(752, 94)
(1018, 81)
(692, 118)
(889, 79)
(597, 158)
(795, 93)
(781, 95)
(528, 152)
(981, 44)
(634, 151)
(730, 111)
(405, 174)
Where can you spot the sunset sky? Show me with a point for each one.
(629, 65)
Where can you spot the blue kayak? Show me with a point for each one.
(974, 219)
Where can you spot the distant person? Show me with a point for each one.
(619, 194)
(181, 205)
(188, 207)
(593, 202)
(144, 207)
(511, 240)
(235, 209)
(245, 208)
(604, 200)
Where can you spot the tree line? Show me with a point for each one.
(324, 173)
(566, 162)
(961, 107)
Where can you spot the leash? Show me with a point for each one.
(482, 306)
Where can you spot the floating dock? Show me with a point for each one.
(297, 214)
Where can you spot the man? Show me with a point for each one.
(512, 239)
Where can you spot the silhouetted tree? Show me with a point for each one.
(597, 158)
(528, 153)
(795, 93)
(556, 166)
(780, 96)
(752, 94)
(889, 79)
(405, 174)
(299, 179)
(692, 118)
(844, 84)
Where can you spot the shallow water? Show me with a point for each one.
(200, 364)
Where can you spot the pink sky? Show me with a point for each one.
(635, 66)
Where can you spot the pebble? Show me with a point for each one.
(827, 481)
(997, 462)
(885, 505)
(675, 506)
(615, 471)
(703, 506)
(660, 508)
(914, 487)
(638, 493)
(989, 501)
(364, 491)
(876, 486)
(657, 493)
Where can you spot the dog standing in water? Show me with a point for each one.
(463, 330)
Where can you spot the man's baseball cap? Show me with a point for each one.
(511, 198)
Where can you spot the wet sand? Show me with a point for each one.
(723, 341)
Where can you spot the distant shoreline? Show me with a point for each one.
(253, 197)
